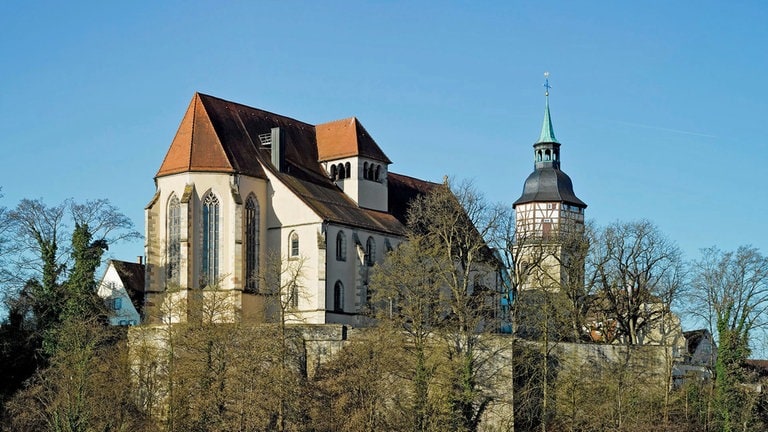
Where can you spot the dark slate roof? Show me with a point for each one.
(222, 136)
(402, 190)
(132, 276)
(549, 184)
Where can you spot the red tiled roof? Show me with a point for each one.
(346, 138)
(216, 135)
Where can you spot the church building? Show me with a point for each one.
(241, 188)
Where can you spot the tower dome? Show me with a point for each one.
(547, 183)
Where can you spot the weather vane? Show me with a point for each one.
(546, 84)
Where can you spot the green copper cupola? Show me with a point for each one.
(546, 151)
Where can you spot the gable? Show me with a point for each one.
(346, 138)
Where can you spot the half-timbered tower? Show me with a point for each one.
(547, 211)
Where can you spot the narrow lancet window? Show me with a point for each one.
(252, 244)
(173, 258)
(338, 297)
(210, 250)
(341, 246)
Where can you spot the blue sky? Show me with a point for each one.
(660, 106)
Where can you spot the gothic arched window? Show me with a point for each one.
(370, 251)
(252, 243)
(293, 301)
(341, 246)
(293, 245)
(173, 250)
(210, 250)
(338, 296)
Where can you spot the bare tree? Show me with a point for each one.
(444, 291)
(637, 272)
(730, 292)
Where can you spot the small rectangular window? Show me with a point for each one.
(117, 303)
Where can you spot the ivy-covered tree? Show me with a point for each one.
(730, 292)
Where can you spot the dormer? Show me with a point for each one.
(354, 162)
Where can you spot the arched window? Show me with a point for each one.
(293, 301)
(333, 173)
(210, 251)
(365, 170)
(338, 297)
(538, 156)
(293, 244)
(342, 174)
(377, 174)
(547, 155)
(348, 167)
(341, 246)
(370, 251)
(173, 260)
(252, 243)
(370, 172)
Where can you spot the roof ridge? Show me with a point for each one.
(254, 108)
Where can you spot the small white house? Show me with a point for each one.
(122, 288)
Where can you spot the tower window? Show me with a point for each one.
(377, 174)
(334, 172)
(210, 255)
(348, 169)
(342, 173)
(365, 170)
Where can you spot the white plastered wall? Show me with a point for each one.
(110, 288)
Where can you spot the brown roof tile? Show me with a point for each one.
(196, 146)
(132, 276)
(346, 138)
(222, 136)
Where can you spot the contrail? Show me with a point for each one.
(666, 129)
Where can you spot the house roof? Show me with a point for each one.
(693, 338)
(216, 135)
(346, 138)
(132, 276)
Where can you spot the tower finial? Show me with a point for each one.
(547, 132)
